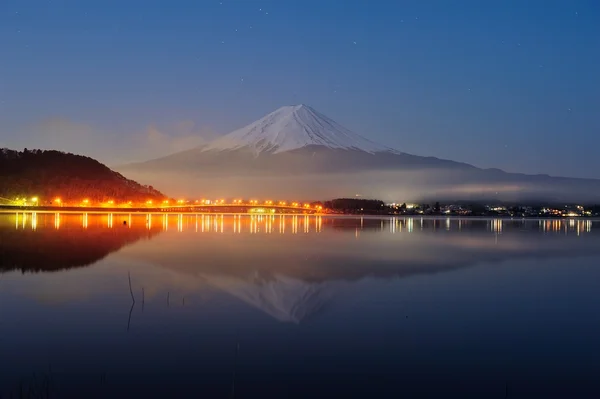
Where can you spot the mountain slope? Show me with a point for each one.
(293, 127)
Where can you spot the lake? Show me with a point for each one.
(110, 306)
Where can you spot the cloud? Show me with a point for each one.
(153, 143)
(110, 147)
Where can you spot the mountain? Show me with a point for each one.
(297, 152)
(51, 174)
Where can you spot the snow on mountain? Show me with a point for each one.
(292, 127)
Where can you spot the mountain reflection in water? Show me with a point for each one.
(287, 266)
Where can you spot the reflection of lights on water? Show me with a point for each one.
(259, 223)
(497, 225)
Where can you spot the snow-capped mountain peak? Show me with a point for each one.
(292, 127)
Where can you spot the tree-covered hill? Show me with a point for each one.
(53, 174)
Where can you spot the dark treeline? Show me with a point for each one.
(356, 205)
(377, 207)
(50, 174)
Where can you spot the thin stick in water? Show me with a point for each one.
(130, 289)
(129, 319)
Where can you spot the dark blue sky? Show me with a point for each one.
(510, 84)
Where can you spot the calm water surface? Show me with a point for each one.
(274, 307)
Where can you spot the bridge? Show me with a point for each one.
(176, 208)
(240, 207)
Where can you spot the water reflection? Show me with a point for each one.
(311, 296)
(50, 242)
(278, 273)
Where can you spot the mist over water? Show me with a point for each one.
(298, 305)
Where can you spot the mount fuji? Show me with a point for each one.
(295, 151)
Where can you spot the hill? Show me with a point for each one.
(53, 174)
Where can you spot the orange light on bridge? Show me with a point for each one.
(268, 202)
(57, 200)
(180, 201)
(149, 202)
(307, 205)
(282, 203)
(295, 204)
(86, 201)
(165, 201)
(110, 202)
